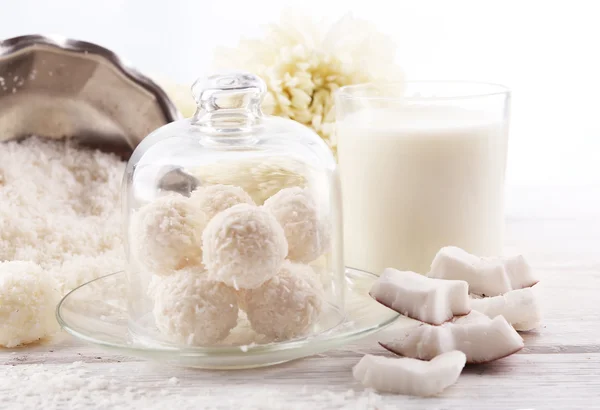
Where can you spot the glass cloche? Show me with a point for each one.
(232, 225)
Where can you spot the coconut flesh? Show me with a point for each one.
(519, 307)
(485, 276)
(433, 301)
(503, 300)
(498, 286)
(410, 376)
(481, 339)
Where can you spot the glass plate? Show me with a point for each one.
(96, 312)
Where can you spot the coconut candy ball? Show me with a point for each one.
(287, 305)
(244, 246)
(296, 211)
(213, 199)
(28, 299)
(167, 234)
(154, 285)
(192, 310)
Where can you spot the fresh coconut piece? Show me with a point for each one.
(438, 338)
(480, 338)
(526, 326)
(410, 376)
(519, 307)
(519, 272)
(486, 276)
(428, 300)
(422, 342)
(473, 317)
(486, 342)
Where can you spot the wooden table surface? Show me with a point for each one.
(559, 367)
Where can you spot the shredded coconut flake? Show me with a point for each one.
(60, 208)
(76, 386)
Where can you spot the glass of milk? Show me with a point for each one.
(422, 166)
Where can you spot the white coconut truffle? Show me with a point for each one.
(217, 198)
(296, 211)
(192, 310)
(244, 246)
(28, 299)
(167, 234)
(287, 305)
(154, 285)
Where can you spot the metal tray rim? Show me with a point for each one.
(15, 44)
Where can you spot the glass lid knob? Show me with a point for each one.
(228, 103)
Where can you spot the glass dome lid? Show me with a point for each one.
(232, 225)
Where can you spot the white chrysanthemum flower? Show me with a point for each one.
(303, 65)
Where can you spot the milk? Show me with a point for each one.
(417, 179)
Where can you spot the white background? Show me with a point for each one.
(547, 52)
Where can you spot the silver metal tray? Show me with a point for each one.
(62, 88)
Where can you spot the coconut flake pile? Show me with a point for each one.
(80, 386)
(60, 209)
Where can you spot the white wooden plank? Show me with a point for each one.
(558, 381)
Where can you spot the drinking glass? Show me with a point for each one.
(422, 167)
